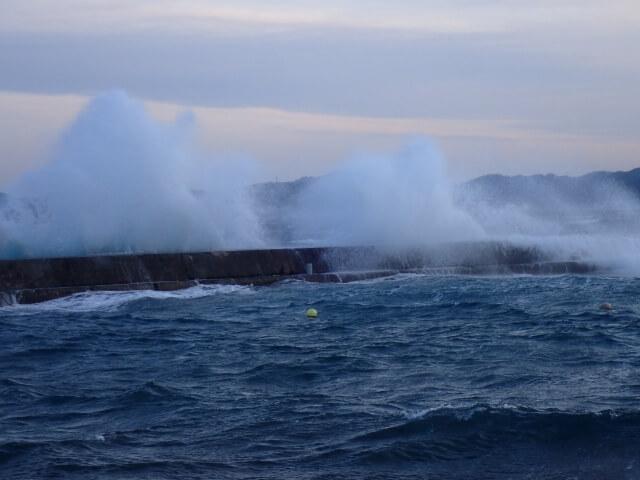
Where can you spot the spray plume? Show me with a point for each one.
(119, 181)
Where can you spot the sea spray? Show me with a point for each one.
(119, 181)
(394, 200)
(593, 218)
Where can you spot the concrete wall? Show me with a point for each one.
(38, 279)
(29, 281)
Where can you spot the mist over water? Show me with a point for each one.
(593, 218)
(120, 181)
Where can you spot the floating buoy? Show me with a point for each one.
(607, 307)
(312, 313)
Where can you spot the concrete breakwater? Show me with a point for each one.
(36, 280)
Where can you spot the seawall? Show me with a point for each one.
(36, 280)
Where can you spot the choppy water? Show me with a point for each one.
(409, 377)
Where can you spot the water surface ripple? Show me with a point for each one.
(409, 377)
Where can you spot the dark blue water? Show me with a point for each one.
(410, 377)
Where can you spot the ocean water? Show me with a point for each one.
(406, 377)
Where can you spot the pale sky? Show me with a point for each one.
(505, 86)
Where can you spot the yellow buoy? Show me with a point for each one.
(312, 313)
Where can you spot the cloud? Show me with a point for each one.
(435, 16)
(489, 77)
(497, 80)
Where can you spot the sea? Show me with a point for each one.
(407, 377)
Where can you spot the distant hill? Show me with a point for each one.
(280, 192)
(498, 202)
(497, 189)
(273, 202)
(598, 201)
(544, 204)
(540, 189)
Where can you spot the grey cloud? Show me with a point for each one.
(356, 72)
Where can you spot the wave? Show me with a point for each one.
(152, 393)
(106, 301)
(449, 434)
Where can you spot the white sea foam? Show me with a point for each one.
(105, 301)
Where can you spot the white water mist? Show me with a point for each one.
(119, 181)
(593, 218)
(399, 200)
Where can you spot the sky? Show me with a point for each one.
(502, 86)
